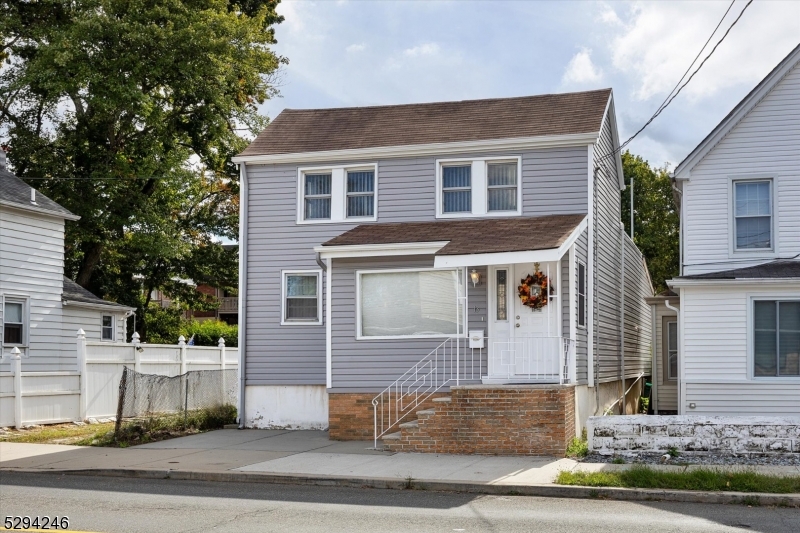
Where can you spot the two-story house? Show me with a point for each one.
(394, 254)
(41, 310)
(738, 332)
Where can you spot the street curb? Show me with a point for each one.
(547, 491)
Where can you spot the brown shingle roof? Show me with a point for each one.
(469, 236)
(314, 130)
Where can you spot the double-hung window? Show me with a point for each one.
(302, 297)
(457, 189)
(752, 207)
(14, 322)
(411, 303)
(107, 333)
(317, 196)
(478, 187)
(776, 338)
(581, 290)
(501, 181)
(337, 194)
(360, 193)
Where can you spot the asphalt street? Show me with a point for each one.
(106, 504)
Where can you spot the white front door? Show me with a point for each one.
(520, 338)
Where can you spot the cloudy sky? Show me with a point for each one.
(355, 53)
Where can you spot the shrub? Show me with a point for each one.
(163, 325)
(578, 446)
(208, 332)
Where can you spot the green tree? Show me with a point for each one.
(127, 112)
(656, 221)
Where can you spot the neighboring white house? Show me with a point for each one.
(739, 323)
(40, 309)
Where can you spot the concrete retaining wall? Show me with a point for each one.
(725, 434)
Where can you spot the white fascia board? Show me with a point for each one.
(741, 281)
(499, 258)
(520, 143)
(110, 307)
(507, 258)
(379, 250)
(39, 210)
(732, 120)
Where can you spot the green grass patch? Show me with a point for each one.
(57, 433)
(168, 426)
(643, 477)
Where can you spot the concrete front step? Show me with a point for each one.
(392, 436)
(408, 425)
(443, 399)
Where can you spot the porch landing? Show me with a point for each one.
(491, 420)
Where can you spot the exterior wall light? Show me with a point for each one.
(475, 276)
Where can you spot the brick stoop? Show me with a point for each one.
(492, 420)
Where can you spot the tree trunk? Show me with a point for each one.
(91, 258)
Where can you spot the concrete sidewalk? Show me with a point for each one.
(309, 457)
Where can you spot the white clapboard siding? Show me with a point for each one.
(32, 266)
(716, 369)
(90, 321)
(766, 143)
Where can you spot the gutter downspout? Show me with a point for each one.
(654, 369)
(321, 263)
(243, 213)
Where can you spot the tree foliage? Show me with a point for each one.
(127, 112)
(656, 221)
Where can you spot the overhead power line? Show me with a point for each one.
(674, 93)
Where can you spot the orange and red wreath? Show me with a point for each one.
(527, 291)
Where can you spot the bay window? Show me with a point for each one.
(411, 303)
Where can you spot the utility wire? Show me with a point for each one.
(669, 99)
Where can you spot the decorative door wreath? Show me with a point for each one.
(534, 289)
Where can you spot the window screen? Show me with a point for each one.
(753, 213)
(301, 297)
(502, 186)
(13, 325)
(457, 189)
(317, 191)
(360, 193)
(108, 328)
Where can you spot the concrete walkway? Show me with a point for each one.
(309, 457)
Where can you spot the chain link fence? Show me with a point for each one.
(150, 405)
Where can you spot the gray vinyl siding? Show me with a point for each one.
(609, 236)
(371, 365)
(638, 333)
(581, 335)
(553, 182)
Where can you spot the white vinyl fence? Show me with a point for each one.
(91, 391)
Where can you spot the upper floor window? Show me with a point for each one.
(752, 207)
(317, 196)
(360, 193)
(337, 194)
(478, 187)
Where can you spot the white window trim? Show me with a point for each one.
(295, 322)
(579, 263)
(751, 337)
(465, 318)
(479, 186)
(754, 253)
(26, 319)
(113, 328)
(338, 193)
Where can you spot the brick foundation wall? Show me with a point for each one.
(350, 415)
(496, 420)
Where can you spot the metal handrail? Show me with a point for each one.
(444, 365)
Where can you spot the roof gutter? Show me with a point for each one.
(40, 210)
(110, 306)
(416, 150)
(729, 281)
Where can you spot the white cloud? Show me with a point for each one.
(356, 48)
(658, 40)
(581, 69)
(609, 16)
(426, 49)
